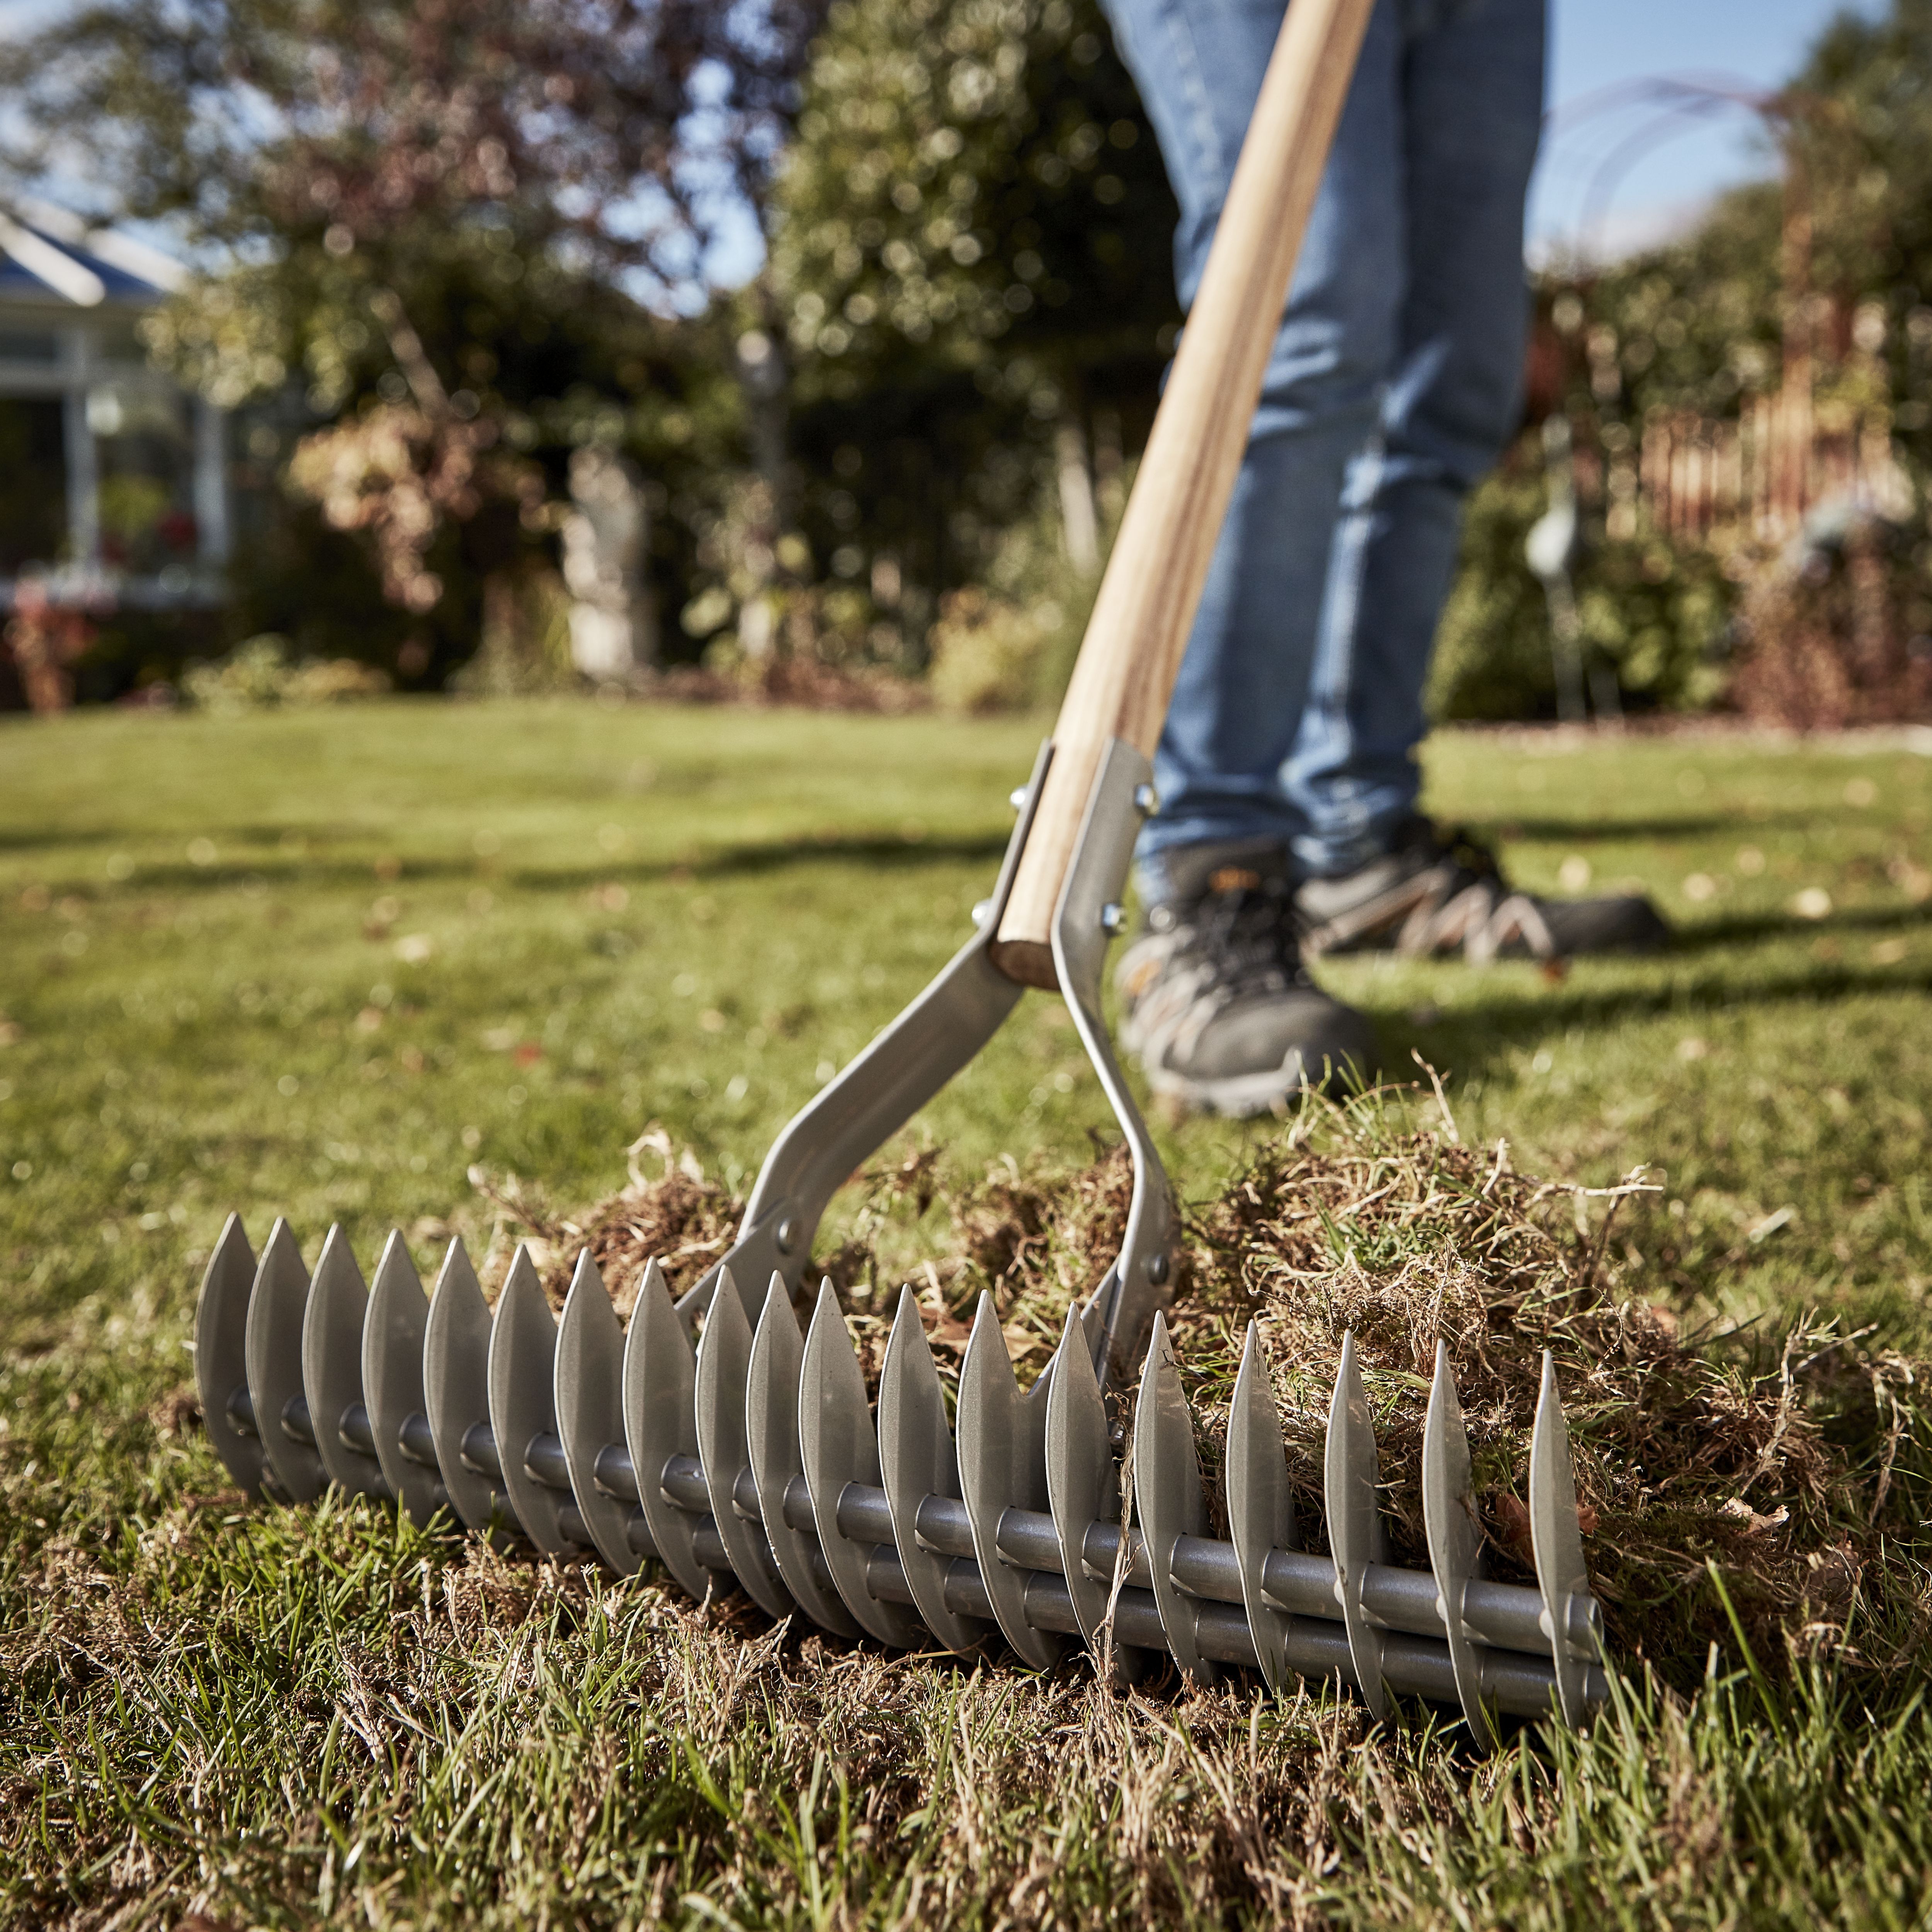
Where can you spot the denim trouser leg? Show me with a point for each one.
(1392, 386)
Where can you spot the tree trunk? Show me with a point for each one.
(1079, 520)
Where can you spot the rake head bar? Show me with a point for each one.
(752, 1455)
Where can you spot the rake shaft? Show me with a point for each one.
(771, 1464)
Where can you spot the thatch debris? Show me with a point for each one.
(1792, 1466)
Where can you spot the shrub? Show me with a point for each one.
(525, 651)
(261, 674)
(1838, 635)
(986, 653)
(1656, 614)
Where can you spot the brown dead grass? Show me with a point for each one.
(1773, 1461)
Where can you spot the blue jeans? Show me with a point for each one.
(1394, 382)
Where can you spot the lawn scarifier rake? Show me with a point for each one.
(727, 1442)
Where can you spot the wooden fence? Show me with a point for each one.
(1755, 478)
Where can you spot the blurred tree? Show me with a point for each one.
(1839, 249)
(1695, 325)
(1821, 280)
(621, 133)
(971, 249)
(973, 184)
(1865, 152)
(442, 221)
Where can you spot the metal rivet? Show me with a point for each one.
(1017, 797)
(1157, 1269)
(982, 912)
(787, 1234)
(1111, 916)
(1147, 800)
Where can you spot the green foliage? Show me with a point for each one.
(1009, 643)
(971, 245)
(987, 653)
(1659, 613)
(971, 180)
(1701, 327)
(1863, 126)
(262, 674)
(1696, 326)
(552, 357)
(555, 358)
(460, 205)
(270, 129)
(525, 648)
(1655, 612)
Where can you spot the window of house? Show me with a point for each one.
(33, 483)
(144, 441)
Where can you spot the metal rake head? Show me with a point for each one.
(736, 1447)
(750, 1454)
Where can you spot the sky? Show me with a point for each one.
(1596, 44)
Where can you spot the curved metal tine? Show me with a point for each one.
(456, 1396)
(1261, 1506)
(1082, 924)
(1168, 1495)
(392, 1382)
(724, 1364)
(917, 1459)
(1002, 1466)
(221, 1356)
(826, 1141)
(272, 1343)
(589, 1391)
(1083, 1483)
(661, 1422)
(1356, 1537)
(771, 1402)
(838, 1448)
(1571, 1619)
(1455, 1542)
(523, 1407)
(331, 1348)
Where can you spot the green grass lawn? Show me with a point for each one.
(320, 964)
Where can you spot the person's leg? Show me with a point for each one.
(1375, 874)
(1470, 93)
(1238, 706)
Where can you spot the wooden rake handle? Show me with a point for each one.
(1131, 654)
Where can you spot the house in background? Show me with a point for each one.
(113, 483)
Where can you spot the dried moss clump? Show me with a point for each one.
(1779, 1478)
(1781, 1464)
(681, 1219)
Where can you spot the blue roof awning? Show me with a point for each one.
(57, 257)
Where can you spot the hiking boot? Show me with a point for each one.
(1220, 1008)
(1434, 892)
